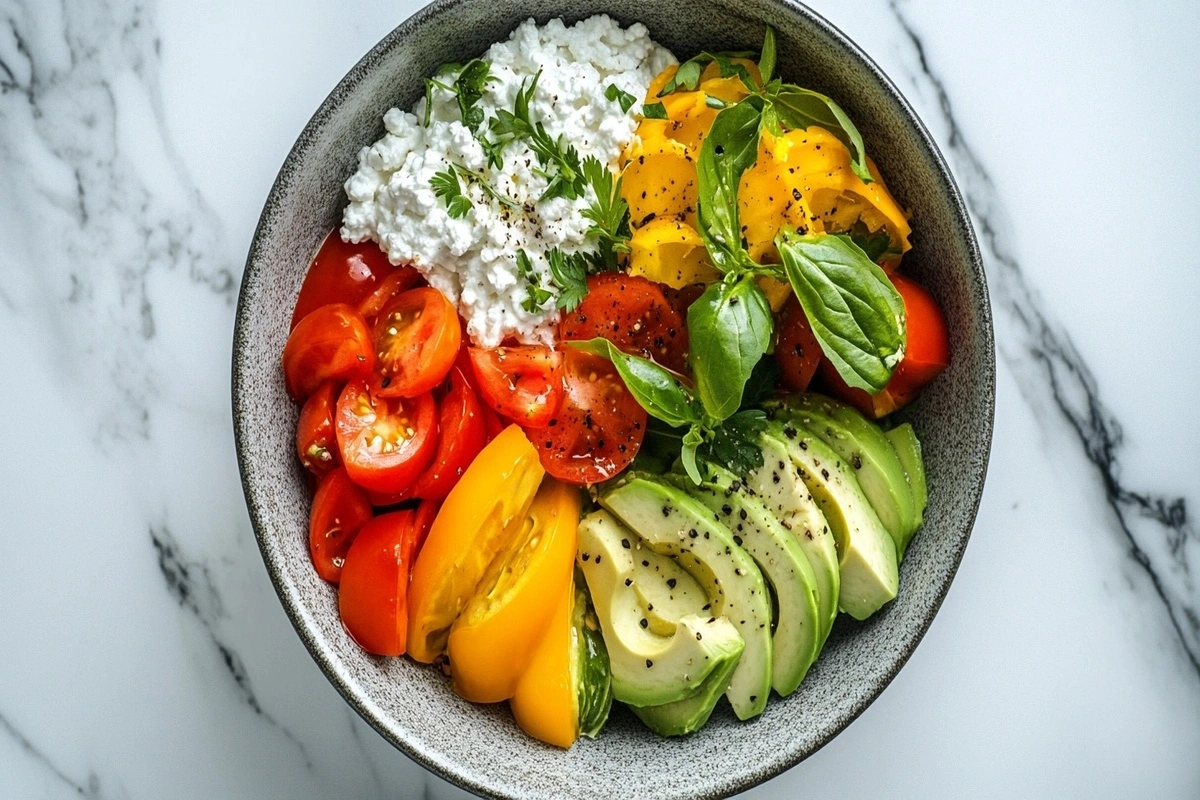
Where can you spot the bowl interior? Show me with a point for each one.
(411, 705)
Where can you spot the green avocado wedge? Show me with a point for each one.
(797, 635)
(673, 523)
(689, 714)
(908, 448)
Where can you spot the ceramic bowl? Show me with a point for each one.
(479, 747)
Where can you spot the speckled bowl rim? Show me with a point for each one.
(288, 595)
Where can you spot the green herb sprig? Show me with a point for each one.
(446, 186)
(558, 159)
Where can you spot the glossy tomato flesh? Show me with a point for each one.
(521, 383)
(373, 593)
(330, 344)
(416, 336)
(797, 349)
(340, 273)
(461, 435)
(385, 443)
(401, 280)
(316, 441)
(632, 313)
(599, 427)
(339, 510)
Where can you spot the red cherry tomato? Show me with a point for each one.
(522, 383)
(461, 435)
(373, 594)
(340, 273)
(385, 443)
(316, 441)
(599, 428)
(926, 354)
(492, 422)
(330, 344)
(797, 350)
(401, 280)
(416, 337)
(339, 510)
(422, 522)
(632, 313)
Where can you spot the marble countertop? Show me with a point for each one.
(145, 654)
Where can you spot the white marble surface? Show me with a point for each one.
(144, 653)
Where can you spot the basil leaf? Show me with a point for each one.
(729, 328)
(687, 456)
(766, 62)
(854, 310)
(655, 388)
(687, 76)
(799, 109)
(729, 149)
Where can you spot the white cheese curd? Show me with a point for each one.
(473, 260)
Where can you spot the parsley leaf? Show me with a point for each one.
(538, 294)
(446, 186)
(609, 214)
(569, 273)
(622, 98)
(558, 159)
(469, 86)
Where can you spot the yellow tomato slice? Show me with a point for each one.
(494, 638)
(545, 704)
(496, 489)
(670, 252)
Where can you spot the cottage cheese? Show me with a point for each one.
(472, 260)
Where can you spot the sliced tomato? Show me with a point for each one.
(926, 354)
(461, 435)
(339, 510)
(632, 313)
(340, 273)
(522, 383)
(330, 344)
(797, 350)
(599, 428)
(400, 280)
(416, 337)
(425, 515)
(385, 442)
(316, 441)
(373, 594)
(492, 422)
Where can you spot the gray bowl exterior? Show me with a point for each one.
(479, 747)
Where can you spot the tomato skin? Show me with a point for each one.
(385, 443)
(373, 594)
(339, 510)
(926, 354)
(461, 435)
(599, 428)
(632, 313)
(316, 441)
(423, 519)
(330, 344)
(521, 383)
(797, 350)
(416, 338)
(401, 280)
(340, 273)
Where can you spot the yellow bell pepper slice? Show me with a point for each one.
(494, 638)
(545, 704)
(670, 252)
(496, 489)
(659, 181)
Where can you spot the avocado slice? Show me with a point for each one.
(797, 636)
(667, 591)
(908, 449)
(866, 551)
(689, 714)
(863, 446)
(675, 524)
(790, 501)
(647, 668)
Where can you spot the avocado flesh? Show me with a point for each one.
(908, 448)
(689, 714)
(863, 446)
(675, 524)
(867, 560)
(667, 591)
(647, 668)
(797, 636)
(790, 501)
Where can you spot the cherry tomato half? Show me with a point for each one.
(599, 428)
(461, 435)
(926, 354)
(340, 273)
(422, 522)
(330, 344)
(797, 350)
(373, 594)
(522, 383)
(339, 510)
(632, 313)
(385, 442)
(401, 280)
(416, 337)
(316, 442)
